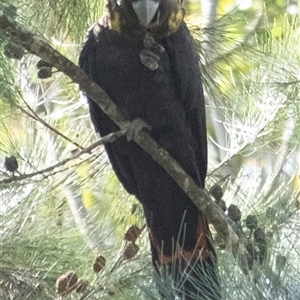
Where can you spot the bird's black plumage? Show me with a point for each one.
(153, 74)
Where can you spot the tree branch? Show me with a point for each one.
(200, 197)
(106, 139)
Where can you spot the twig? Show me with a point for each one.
(200, 197)
(36, 117)
(107, 139)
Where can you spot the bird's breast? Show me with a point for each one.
(139, 91)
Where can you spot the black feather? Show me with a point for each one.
(170, 99)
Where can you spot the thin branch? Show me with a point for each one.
(37, 118)
(200, 197)
(106, 139)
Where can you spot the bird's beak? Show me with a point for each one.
(145, 10)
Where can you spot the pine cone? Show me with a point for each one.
(132, 233)
(66, 283)
(251, 222)
(11, 164)
(44, 72)
(99, 264)
(44, 69)
(81, 286)
(216, 191)
(130, 251)
(110, 292)
(234, 213)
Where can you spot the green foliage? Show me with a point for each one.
(63, 20)
(7, 94)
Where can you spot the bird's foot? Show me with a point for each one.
(133, 128)
(148, 55)
(149, 59)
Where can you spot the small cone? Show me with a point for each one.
(216, 191)
(130, 251)
(81, 286)
(251, 222)
(66, 283)
(44, 72)
(234, 213)
(11, 164)
(99, 264)
(132, 233)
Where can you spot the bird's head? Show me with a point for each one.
(152, 14)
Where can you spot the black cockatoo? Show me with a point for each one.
(141, 54)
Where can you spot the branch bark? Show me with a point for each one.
(202, 200)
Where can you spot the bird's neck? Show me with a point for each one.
(124, 20)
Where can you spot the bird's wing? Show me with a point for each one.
(185, 63)
(102, 123)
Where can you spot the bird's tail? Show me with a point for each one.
(188, 274)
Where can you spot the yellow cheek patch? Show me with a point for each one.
(115, 23)
(175, 20)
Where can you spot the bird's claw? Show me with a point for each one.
(149, 59)
(148, 55)
(133, 128)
